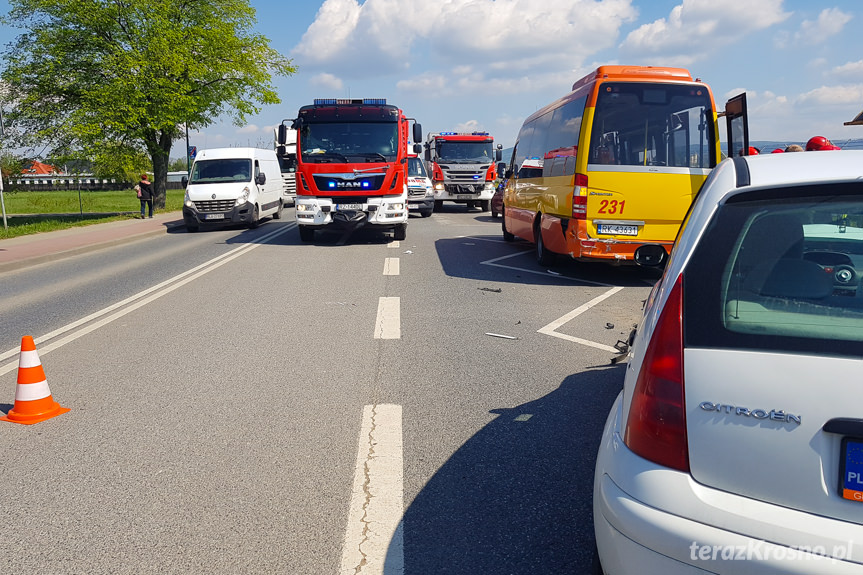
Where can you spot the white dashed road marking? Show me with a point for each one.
(374, 538)
(391, 266)
(388, 322)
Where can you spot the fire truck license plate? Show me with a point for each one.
(617, 230)
(464, 197)
(349, 207)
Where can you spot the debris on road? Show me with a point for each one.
(501, 336)
(495, 290)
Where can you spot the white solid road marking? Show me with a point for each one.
(388, 322)
(393, 244)
(152, 294)
(374, 537)
(550, 328)
(391, 266)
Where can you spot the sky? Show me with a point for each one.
(465, 65)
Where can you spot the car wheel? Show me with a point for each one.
(400, 232)
(544, 256)
(255, 218)
(507, 237)
(278, 214)
(307, 233)
(485, 205)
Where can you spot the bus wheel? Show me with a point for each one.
(307, 233)
(507, 237)
(544, 256)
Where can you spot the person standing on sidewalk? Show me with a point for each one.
(145, 193)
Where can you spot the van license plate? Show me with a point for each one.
(852, 469)
(617, 230)
(214, 217)
(341, 207)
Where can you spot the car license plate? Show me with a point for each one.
(214, 217)
(341, 207)
(464, 197)
(617, 230)
(852, 469)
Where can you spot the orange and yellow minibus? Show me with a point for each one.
(612, 166)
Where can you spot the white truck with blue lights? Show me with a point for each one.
(351, 165)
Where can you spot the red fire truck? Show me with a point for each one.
(351, 158)
(463, 167)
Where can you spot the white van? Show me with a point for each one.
(233, 186)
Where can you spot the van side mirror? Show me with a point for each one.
(185, 181)
(418, 132)
(261, 179)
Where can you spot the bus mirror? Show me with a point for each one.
(650, 255)
(418, 132)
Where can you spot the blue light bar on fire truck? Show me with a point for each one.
(337, 101)
(464, 134)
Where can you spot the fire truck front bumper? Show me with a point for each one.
(385, 211)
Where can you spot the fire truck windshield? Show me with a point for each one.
(464, 152)
(354, 142)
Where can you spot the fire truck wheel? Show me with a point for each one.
(485, 205)
(307, 233)
(400, 232)
(438, 204)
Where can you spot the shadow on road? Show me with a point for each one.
(517, 497)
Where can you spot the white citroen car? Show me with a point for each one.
(736, 445)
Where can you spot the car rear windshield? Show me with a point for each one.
(780, 270)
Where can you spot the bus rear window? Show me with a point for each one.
(643, 124)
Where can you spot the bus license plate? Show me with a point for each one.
(215, 217)
(341, 207)
(617, 230)
(852, 469)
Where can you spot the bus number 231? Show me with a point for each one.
(611, 207)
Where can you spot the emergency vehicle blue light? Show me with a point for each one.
(325, 101)
(375, 101)
(331, 184)
(365, 184)
(449, 133)
(476, 177)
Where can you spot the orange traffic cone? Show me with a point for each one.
(33, 401)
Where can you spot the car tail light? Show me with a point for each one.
(656, 427)
(579, 201)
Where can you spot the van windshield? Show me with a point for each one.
(416, 168)
(221, 171)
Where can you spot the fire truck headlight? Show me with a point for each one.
(489, 186)
(397, 206)
(438, 186)
(305, 208)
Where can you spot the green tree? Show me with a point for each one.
(97, 78)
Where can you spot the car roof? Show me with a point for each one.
(744, 173)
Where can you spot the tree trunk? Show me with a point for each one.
(160, 157)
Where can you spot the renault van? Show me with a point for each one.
(233, 186)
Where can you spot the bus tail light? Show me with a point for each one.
(579, 198)
(656, 426)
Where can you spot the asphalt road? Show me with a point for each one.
(245, 403)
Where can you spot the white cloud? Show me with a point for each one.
(851, 70)
(326, 81)
(697, 28)
(834, 95)
(829, 23)
(249, 129)
(380, 37)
